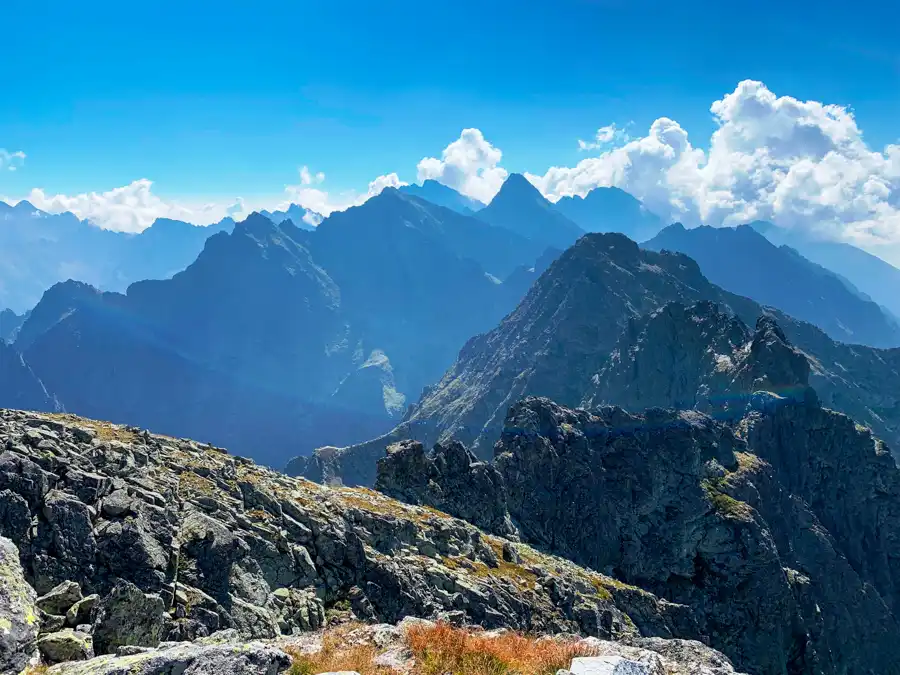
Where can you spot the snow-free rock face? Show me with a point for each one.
(609, 322)
(778, 542)
(775, 524)
(18, 615)
(168, 540)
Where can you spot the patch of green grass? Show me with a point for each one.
(724, 504)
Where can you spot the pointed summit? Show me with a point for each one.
(519, 206)
(25, 206)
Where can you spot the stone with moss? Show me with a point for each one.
(66, 645)
(19, 622)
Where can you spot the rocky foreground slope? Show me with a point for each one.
(115, 540)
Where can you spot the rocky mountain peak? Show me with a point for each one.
(773, 364)
(744, 529)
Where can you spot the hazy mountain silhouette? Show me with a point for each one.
(305, 337)
(39, 249)
(874, 277)
(609, 209)
(440, 194)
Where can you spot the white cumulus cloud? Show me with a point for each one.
(800, 164)
(604, 137)
(130, 208)
(10, 161)
(470, 165)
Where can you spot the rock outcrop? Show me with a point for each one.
(776, 524)
(200, 658)
(749, 532)
(18, 615)
(450, 479)
(154, 539)
(743, 261)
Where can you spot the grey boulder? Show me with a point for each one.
(127, 616)
(66, 645)
(18, 616)
(60, 598)
(248, 658)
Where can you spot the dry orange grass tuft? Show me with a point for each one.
(445, 649)
(337, 655)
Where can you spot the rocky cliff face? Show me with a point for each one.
(711, 520)
(130, 539)
(777, 527)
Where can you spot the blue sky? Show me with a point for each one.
(215, 100)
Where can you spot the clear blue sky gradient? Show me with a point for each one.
(230, 97)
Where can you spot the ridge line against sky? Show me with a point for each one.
(800, 164)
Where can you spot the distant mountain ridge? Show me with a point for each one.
(868, 273)
(440, 194)
(743, 261)
(299, 338)
(610, 209)
(39, 249)
(585, 310)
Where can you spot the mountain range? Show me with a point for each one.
(316, 336)
(335, 334)
(680, 449)
(38, 249)
(580, 323)
(609, 209)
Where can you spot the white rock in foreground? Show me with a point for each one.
(607, 665)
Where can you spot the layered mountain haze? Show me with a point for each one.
(870, 274)
(438, 193)
(39, 249)
(299, 338)
(743, 261)
(576, 338)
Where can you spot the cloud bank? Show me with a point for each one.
(134, 207)
(799, 164)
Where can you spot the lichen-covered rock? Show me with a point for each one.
(18, 615)
(451, 478)
(59, 599)
(298, 610)
(217, 541)
(127, 616)
(186, 659)
(66, 645)
(717, 520)
(80, 612)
